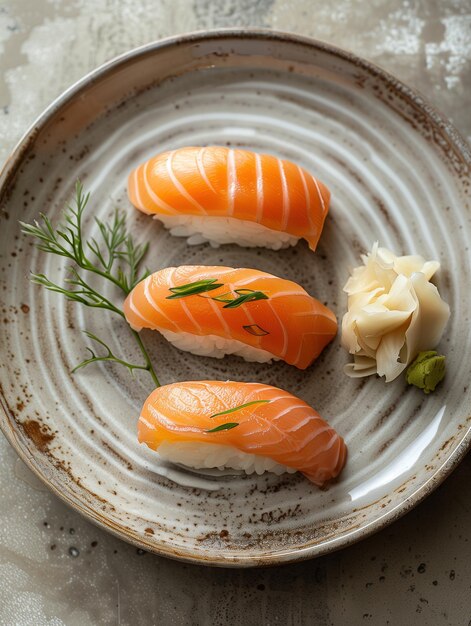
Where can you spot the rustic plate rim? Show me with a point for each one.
(291, 554)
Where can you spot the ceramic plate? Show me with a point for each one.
(398, 172)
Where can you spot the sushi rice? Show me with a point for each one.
(224, 230)
(216, 347)
(213, 455)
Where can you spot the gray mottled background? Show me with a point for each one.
(56, 568)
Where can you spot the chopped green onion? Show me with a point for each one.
(247, 297)
(242, 292)
(195, 288)
(223, 297)
(227, 426)
(238, 408)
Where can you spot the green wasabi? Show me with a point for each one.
(426, 371)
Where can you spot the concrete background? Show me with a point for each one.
(56, 568)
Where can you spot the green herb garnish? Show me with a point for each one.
(114, 256)
(227, 426)
(193, 289)
(240, 407)
(109, 356)
(255, 329)
(222, 298)
(245, 297)
(200, 287)
(230, 425)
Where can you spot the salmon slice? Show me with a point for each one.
(275, 317)
(253, 418)
(215, 181)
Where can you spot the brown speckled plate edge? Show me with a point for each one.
(461, 441)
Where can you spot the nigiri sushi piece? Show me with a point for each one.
(214, 311)
(223, 196)
(243, 426)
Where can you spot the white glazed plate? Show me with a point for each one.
(398, 172)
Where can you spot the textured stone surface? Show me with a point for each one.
(55, 567)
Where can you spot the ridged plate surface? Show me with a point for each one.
(398, 174)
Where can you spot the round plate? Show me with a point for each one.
(398, 173)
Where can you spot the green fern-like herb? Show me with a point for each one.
(114, 256)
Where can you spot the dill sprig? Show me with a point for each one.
(114, 256)
(109, 356)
